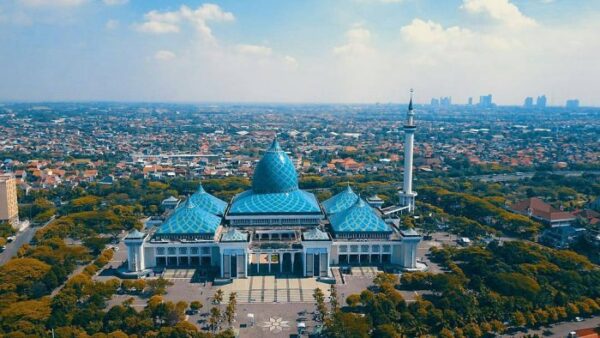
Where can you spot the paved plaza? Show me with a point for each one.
(269, 289)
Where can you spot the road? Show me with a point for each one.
(520, 176)
(560, 330)
(23, 237)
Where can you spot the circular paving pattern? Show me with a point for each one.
(276, 325)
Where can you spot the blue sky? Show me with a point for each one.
(299, 51)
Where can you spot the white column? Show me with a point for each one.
(269, 261)
(257, 263)
(293, 254)
(304, 264)
(221, 255)
(327, 255)
(280, 262)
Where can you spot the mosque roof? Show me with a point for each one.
(315, 234)
(275, 188)
(275, 172)
(189, 219)
(296, 201)
(234, 235)
(208, 202)
(360, 217)
(340, 202)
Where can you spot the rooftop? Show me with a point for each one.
(189, 219)
(360, 217)
(340, 202)
(208, 202)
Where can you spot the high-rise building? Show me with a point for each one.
(486, 101)
(435, 102)
(407, 195)
(541, 101)
(470, 101)
(528, 102)
(9, 208)
(573, 103)
(445, 101)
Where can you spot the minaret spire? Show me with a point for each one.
(407, 195)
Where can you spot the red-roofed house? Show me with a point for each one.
(542, 211)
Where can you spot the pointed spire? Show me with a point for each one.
(188, 203)
(410, 103)
(360, 202)
(275, 145)
(201, 189)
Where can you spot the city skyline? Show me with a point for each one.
(356, 51)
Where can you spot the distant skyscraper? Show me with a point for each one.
(573, 103)
(435, 102)
(470, 101)
(9, 208)
(541, 101)
(528, 102)
(445, 101)
(486, 101)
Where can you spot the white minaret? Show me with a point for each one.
(407, 195)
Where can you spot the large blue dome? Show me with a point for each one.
(275, 172)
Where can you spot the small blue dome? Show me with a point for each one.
(208, 202)
(340, 202)
(275, 172)
(360, 217)
(189, 219)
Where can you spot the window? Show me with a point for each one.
(183, 251)
(353, 248)
(194, 251)
(364, 248)
(205, 250)
(343, 248)
(375, 248)
(171, 251)
(160, 251)
(386, 248)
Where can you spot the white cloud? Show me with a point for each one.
(115, 2)
(290, 61)
(254, 50)
(429, 32)
(170, 22)
(51, 3)
(112, 24)
(164, 55)
(502, 11)
(358, 42)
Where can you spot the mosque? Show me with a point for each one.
(277, 228)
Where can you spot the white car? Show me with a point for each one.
(10, 238)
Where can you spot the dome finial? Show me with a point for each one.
(275, 144)
(201, 188)
(188, 203)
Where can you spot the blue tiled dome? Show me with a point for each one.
(208, 202)
(340, 202)
(189, 219)
(275, 173)
(360, 217)
(297, 201)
